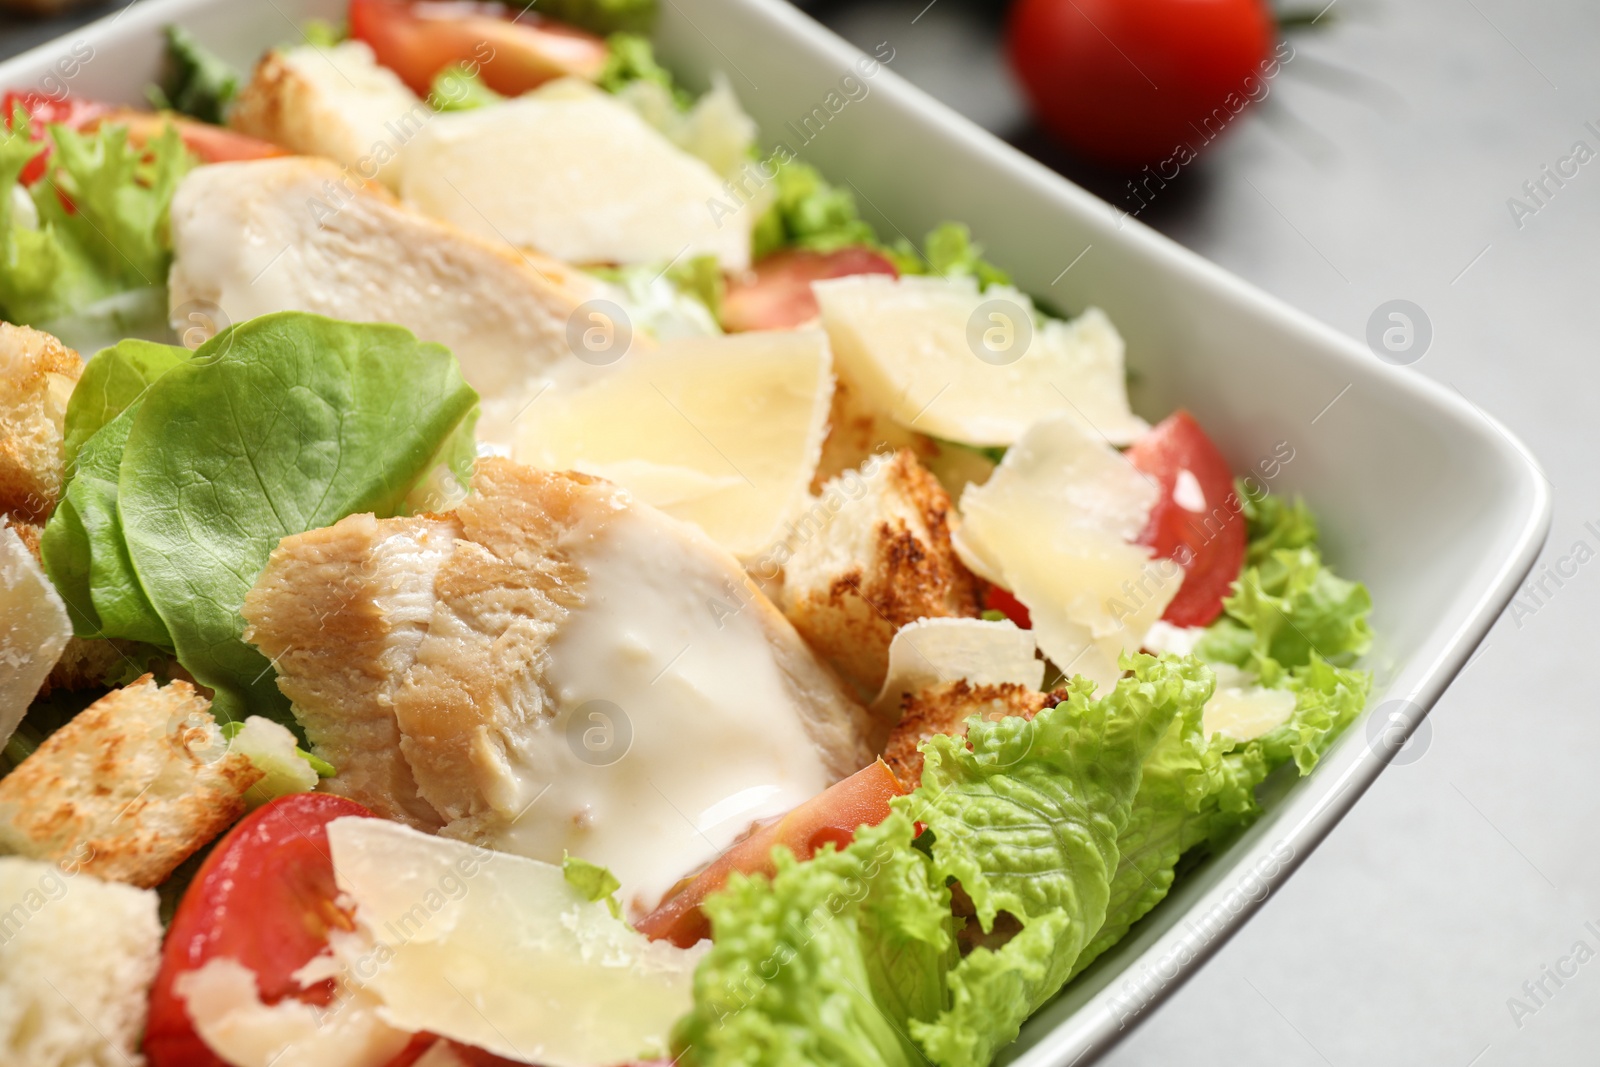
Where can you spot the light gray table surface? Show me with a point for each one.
(1381, 168)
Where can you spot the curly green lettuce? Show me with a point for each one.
(56, 260)
(851, 957)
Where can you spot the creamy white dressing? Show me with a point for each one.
(674, 729)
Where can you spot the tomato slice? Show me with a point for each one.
(210, 144)
(831, 816)
(1001, 600)
(776, 293)
(1197, 520)
(512, 50)
(44, 111)
(265, 897)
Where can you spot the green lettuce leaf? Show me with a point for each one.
(949, 251)
(826, 962)
(1275, 523)
(602, 16)
(278, 425)
(1026, 815)
(195, 80)
(808, 212)
(630, 58)
(112, 380)
(456, 88)
(593, 881)
(55, 262)
(1286, 609)
(82, 544)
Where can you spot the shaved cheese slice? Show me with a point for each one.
(979, 368)
(1243, 710)
(1054, 525)
(574, 173)
(931, 651)
(34, 628)
(224, 1003)
(723, 432)
(500, 952)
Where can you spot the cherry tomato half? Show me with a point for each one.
(1197, 520)
(512, 50)
(776, 293)
(265, 897)
(997, 599)
(1127, 82)
(831, 816)
(208, 143)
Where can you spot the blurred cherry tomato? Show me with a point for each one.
(513, 51)
(208, 143)
(776, 292)
(1127, 82)
(1197, 520)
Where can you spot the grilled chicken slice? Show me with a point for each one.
(302, 234)
(554, 667)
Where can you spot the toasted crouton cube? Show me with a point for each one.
(130, 788)
(77, 957)
(878, 559)
(945, 709)
(37, 374)
(334, 102)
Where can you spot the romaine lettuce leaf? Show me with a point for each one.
(195, 80)
(112, 380)
(825, 963)
(1026, 815)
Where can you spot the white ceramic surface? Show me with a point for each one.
(1422, 496)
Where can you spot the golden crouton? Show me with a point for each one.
(37, 374)
(128, 789)
(945, 709)
(856, 433)
(880, 559)
(332, 102)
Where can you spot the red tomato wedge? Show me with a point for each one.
(513, 51)
(210, 144)
(831, 816)
(265, 897)
(997, 599)
(44, 111)
(776, 293)
(1197, 520)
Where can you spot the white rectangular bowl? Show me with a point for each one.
(1421, 495)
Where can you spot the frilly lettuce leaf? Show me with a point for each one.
(1028, 820)
(54, 262)
(827, 962)
(808, 212)
(950, 251)
(1287, 609)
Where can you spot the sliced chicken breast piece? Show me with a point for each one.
(594, 677)
(297, 234)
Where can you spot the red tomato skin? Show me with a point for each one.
(1127, 82)
(832, 816)
(265, 896)
(1001, 600)
(776, 292)
(43, 111)
(512, 51)
(1210, 544)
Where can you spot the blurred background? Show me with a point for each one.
(1402, 150)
